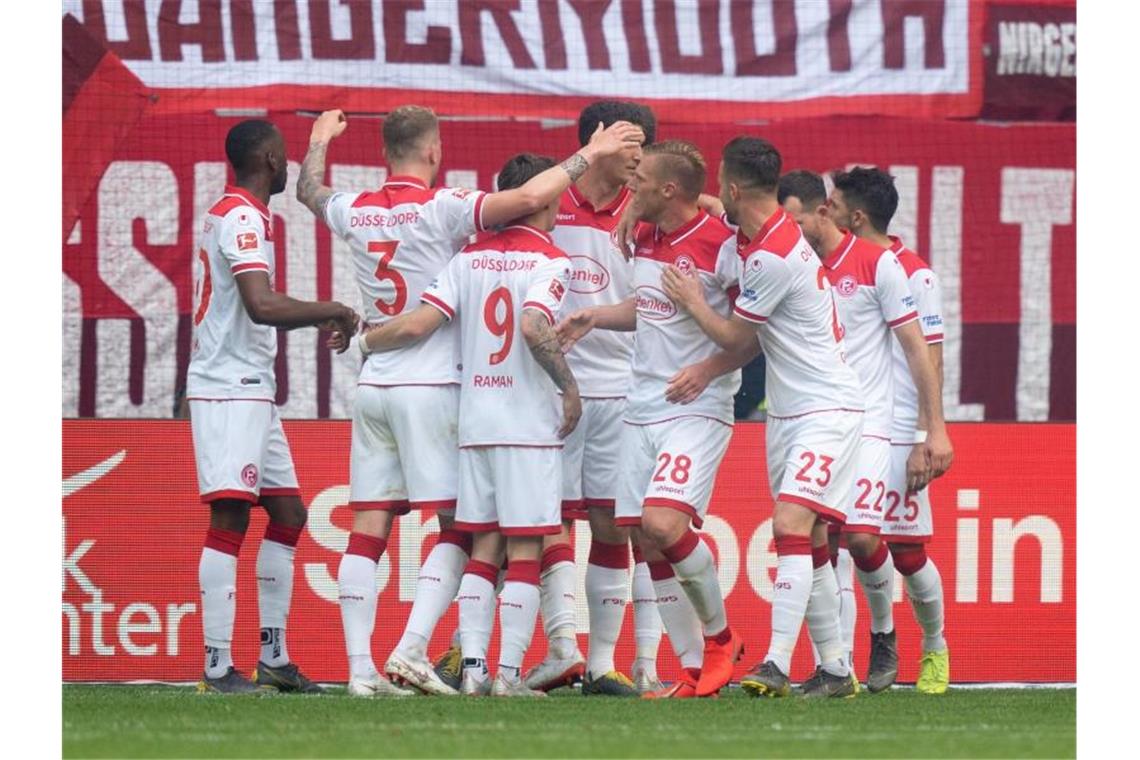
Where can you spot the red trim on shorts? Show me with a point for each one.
(842, 542)
(369, 547)
(638, 557)
(680, 506)
(484, 570)
(431, 300)
(793, 545)
(229, 493)
(574, 509)
(815, 411)
(876, 437)
(824, 511)
(833, 528)
(456, 538)
(436, 504)
(439, 384)
(511, 445)
(893, 539)
(871, 530)
(399, 506)
(556, 553)
(286, 535)
(293, 491)
(601, 503)
(660, 570)
(523, 571)
(678, 417)
(820, 556)
(903, 320)
(470, 527)
(627, 522)
(615, 556)
(225, 541)
(684, 546)
(533, 530)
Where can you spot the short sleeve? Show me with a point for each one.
(241, 241)
(728, 266)
(893, 291)
(337, 212)
(547, 289)
(443, 291)
(927, 292)
(457, 211)
(765, 281)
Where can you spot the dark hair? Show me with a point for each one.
(871, 191)
(405, 127)
(684, 163)
(245, 139)
(520, 168)
(610, 111)
(752, 162)
(802, 184)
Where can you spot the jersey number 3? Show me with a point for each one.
(387, 250)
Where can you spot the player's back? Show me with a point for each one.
(927, 293)
(401, 236)
(506, 398)
(785, 290)
(231, 357)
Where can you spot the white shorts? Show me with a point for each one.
(241, 451)
(812, 460)
(868, 500)
(590, 457)
(907, 518)
(514, 490)
(405, 451)
(670, 464)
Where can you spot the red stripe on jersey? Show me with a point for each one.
(518, 238)
(698, 241)
(396, 191)
(255, 266)
(745, 314)
(249, 198)
(935, 338)
(539, 307)
(904, 319)
(779, 235)
(431, 300)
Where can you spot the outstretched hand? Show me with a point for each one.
(573, 328)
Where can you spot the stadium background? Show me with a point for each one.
(971, 105)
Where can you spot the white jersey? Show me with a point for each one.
(873, 297)
(401, 236)
(231, 357)
(667, 338)
(601, 277)
(927, 293)
(785, 290)
(507, 399)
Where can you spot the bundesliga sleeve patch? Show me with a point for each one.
(557, 290)
(247, 241)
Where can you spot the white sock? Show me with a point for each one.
(792, 589)
(607, 588)
(646, 619)
(925, 591)
(518, 612)
(217, 573)
(274, 594)
(697, 573)
(476, 616)
(559, 621)
(436, 587)
(680, 621)
(356, 579)
(848, 606)
(879, 588)
(823, 621)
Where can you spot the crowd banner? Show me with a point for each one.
(1005, 544)
(1031, 61)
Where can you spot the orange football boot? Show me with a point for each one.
(721, 653)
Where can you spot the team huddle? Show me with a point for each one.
(511, 391)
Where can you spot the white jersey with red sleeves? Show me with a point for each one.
(785, 290)
(231, 357)
(507, 399)
(873, 297)
(927, 292)
(667, 338)
(601, 277)
(401, 236)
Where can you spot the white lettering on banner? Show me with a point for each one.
(1006, 535)
(966, 567)
(72, 339)
(413, 534)
(722, 50)
(904, 224)
(1027, 47)
(127, 628)
(134, 279)
(1036, 199)
(319, 576)
(300, 282)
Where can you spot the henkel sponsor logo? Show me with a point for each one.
(588, 276)
(652, 303)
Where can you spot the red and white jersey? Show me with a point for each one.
(231, 357)
(667, 338)
(927, 293)
(507, 399)
(785, 290)
(401, 236)
(601, 277)
(873, 297)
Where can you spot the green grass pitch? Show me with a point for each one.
(164, 721)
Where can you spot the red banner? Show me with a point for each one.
(1031, 61)
(990, 206)
(1005, 544)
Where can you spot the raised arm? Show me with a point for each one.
(311, 190)
(399, 331)
(266, 306)
(544, 347)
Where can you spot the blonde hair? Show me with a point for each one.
(683, 163)
(405, 127)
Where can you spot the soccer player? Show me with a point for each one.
(240, 449)
(589, 212)
(864, 202)
(815, 407)
(874, 302)
(404, 453)
(670, 455)
(506, 291)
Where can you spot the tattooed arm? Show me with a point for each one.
(311, 191)
(546, 350)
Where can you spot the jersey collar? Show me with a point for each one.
(406, 179)
(532, 230)
(896, 244)
(682, 232)
(766, 229)
(613, 208)
(835, 257)
(248, 197)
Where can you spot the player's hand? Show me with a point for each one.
(683, 289)
(623, 236)
(685, 386)
(329, 125)
(573, 328)
(342, 327)
(917, 469)
(606, 141)
(571, 412)
(337, 340)
(939, 452)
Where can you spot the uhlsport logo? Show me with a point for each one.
(847, 286)
(589, 275)
(652, 303)
(249, 475)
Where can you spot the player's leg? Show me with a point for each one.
(647, 626)
(845, 577)
(832, 675)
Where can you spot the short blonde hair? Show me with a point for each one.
(405, 127)
(682, 163)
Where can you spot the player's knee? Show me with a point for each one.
(661, 527)
(603, 529)
(908, 558)
(862, 544)
(229, 514)
(791, 522)
(372, 522)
